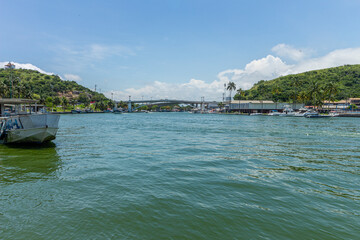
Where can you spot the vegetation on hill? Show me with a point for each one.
(313, 87)
(48, 89)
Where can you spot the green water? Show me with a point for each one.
(185, 176)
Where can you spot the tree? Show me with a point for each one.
(296, 83)
(221, 105)
(303, 96)
(3, 89)
(111, 104)
(331, 90)
(35, 96)
(73, 101)
(56, 101)
(154, 107)
(230, 87)
(84, 98)
(49, 102)
(64, 102)
(315, 93)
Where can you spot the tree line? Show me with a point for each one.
(49, 90)
(311, 88)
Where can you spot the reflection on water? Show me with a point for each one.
(27, 163)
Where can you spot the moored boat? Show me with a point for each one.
(287, 112)
(274, 113)
(26, 127)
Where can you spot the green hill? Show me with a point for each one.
(310, 87)
(36, 85)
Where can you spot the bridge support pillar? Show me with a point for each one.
(129, 107)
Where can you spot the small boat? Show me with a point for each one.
(311, 113)
(287, 112)
(318, 116)
(303, 112)
(274, 113)
(23, 127)
(256, 114)
(76, 111)
(117, 111)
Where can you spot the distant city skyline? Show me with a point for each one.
(177, 49)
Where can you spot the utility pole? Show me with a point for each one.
(224, 92)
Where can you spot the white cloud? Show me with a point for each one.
(25, 66)
(72, 77)
(194, 90)
(289, 52)
(266, 68)
(333, 59)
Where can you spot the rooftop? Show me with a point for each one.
(17, 101)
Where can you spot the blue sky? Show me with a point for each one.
(149, 48)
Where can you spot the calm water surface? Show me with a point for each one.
(185, 176)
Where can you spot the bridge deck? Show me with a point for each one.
(170, 101)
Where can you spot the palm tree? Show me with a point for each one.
(315, 93)
(241, 93)
(331, 89)
(303, 96)
(231, 86)
(64, 102)
(296, 84)
(221, 105)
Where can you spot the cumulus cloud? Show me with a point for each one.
(192, 90)
(266, 68)
(72, 77)
(288, 52)
(333, 59)
(25, 66)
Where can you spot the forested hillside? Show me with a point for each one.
(309, 87)
(35, 85)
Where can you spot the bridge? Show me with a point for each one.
(162, 102)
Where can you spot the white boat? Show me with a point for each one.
(310, 113)
(23, 127)
(303, 112)
(256, 114)
(317, 116)
(274, 113)
(287, 112)
(117, 111)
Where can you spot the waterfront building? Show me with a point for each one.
(260, 106)
(342, 104)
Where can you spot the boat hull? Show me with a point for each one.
(33, 135)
